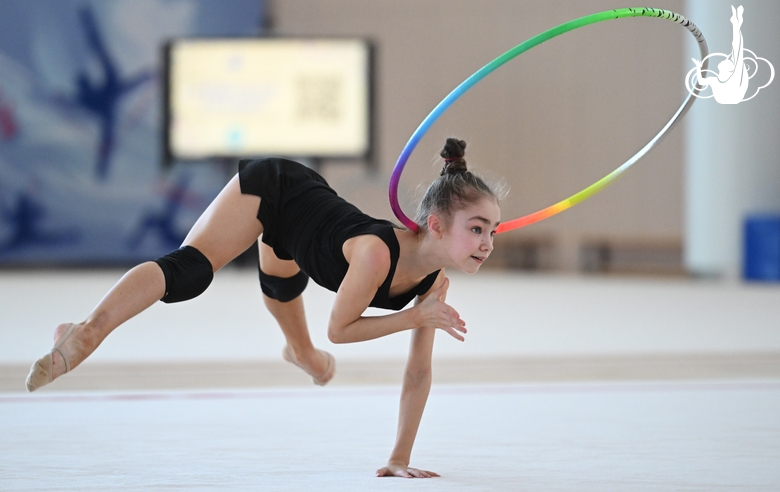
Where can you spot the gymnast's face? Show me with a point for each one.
(468, 235)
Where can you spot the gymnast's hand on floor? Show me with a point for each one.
(435, 313)
(396, 470)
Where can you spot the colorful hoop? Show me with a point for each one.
(517, 50)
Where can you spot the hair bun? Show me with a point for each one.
(453, 152)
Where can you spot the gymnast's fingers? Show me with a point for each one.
(417, 473)
(456, 317)
(450, 318)
(454, 334)
(425, 473)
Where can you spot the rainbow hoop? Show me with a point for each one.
(517, 50)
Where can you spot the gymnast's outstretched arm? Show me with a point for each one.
(414, 395)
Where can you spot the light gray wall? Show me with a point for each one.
(550, 122)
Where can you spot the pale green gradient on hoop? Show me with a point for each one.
(514, 52)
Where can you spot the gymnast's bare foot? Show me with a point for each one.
(320, 365)
(68, 352)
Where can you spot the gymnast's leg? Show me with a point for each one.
(286, 305)
(227, 228)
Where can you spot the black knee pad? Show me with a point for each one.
(188, 274)
(283, 289)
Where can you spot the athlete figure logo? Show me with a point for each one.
(730, 84)
(103, 97)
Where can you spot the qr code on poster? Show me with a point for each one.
(319, 98)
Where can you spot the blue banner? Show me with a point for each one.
(81, 178)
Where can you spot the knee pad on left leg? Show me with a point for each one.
(188, 273)
(283, 289)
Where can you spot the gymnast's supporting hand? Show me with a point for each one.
(404, 471)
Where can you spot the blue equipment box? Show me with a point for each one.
(762, 248)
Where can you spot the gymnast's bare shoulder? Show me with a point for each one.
(367, 250)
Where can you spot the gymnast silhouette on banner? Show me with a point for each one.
(730, 84)
(102, 97)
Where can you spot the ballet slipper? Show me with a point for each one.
(41, 370)
(322, 380)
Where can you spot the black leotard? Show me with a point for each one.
(305, 220)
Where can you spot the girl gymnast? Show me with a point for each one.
(306, 230)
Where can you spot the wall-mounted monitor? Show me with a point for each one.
(253, 97)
